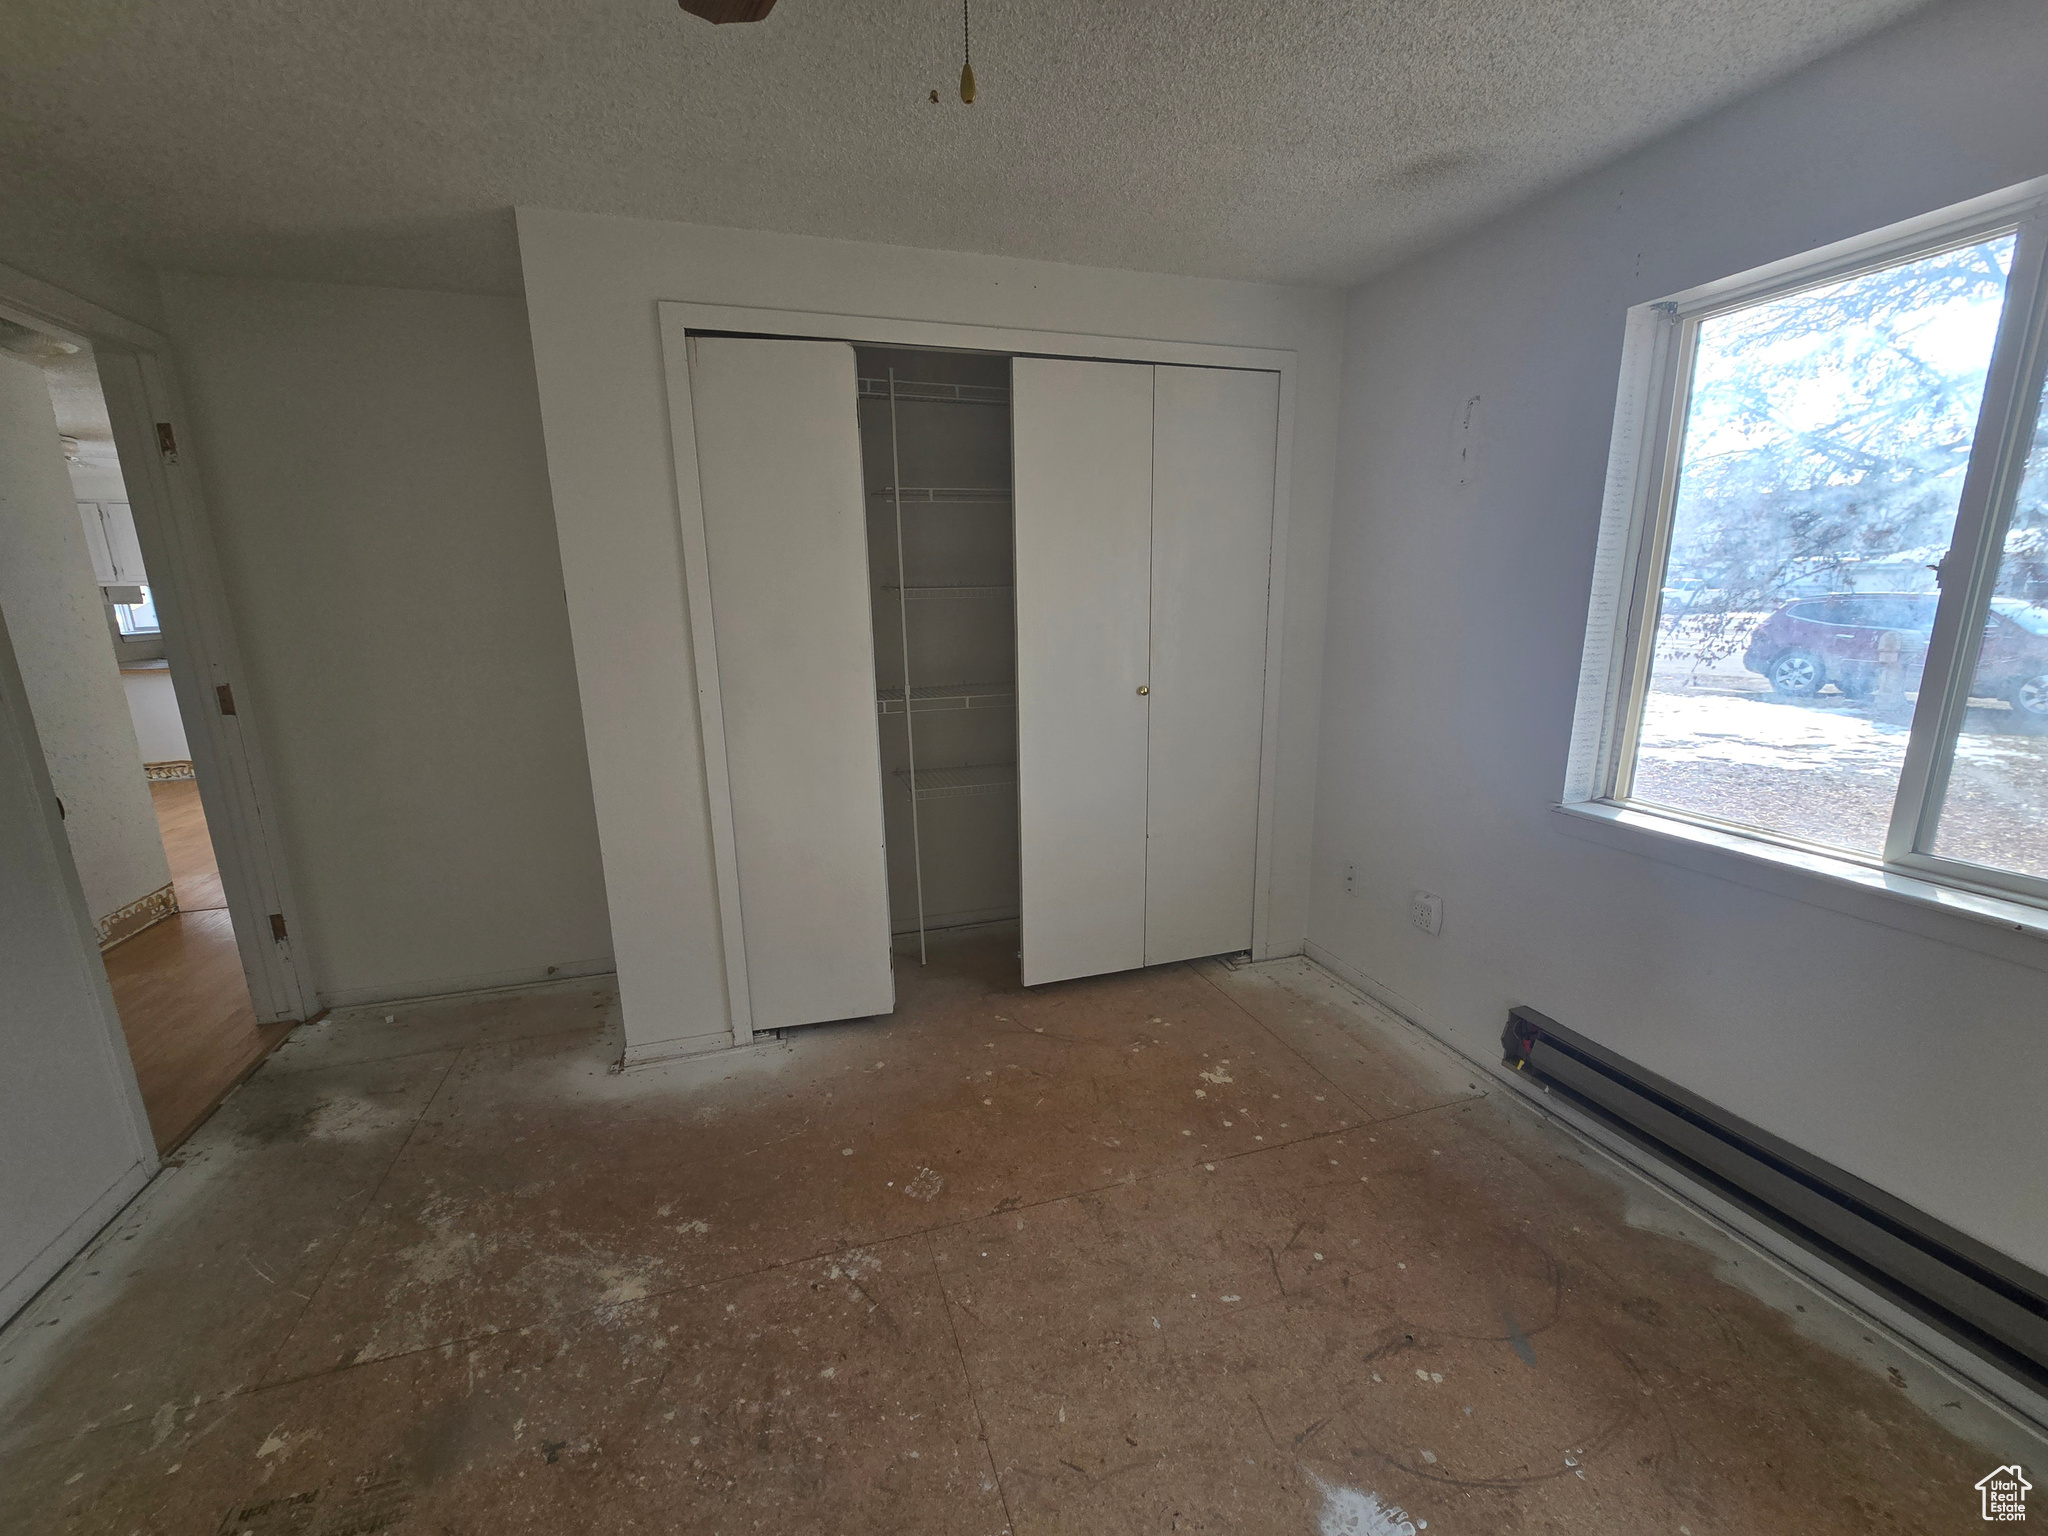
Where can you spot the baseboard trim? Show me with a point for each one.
(126, 922)
(2005, 1394)
(458, 986)
(73, 1240)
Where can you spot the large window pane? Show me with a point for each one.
(1825, 446)
(1996, 810)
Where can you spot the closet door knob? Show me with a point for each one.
(1143, 689)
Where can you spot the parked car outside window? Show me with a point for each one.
(1808, 644)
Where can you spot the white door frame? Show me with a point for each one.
(679, 317)
(152, 435)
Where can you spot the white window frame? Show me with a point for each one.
(1658, 352)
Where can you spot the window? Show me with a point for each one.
(1821, 616)
(138, 618)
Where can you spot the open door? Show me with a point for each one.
(785, 556)
(74, 1141)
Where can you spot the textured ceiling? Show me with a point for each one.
(1289, 140)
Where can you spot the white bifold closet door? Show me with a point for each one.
(1144, 505)
(1081, 450)
(1214, 435)
(785, 553)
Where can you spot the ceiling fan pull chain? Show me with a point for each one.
(967, 50)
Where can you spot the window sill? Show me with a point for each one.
(1993, 925)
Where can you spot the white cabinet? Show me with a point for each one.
(1144, 537)
(110, 537)
(122, 545)
(96, 543)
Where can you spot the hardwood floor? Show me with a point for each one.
(182, 820)
(178, 985)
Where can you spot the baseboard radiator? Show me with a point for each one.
(1985, 1301)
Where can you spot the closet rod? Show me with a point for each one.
(903, 634)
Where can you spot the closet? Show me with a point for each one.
(1144, 538)
(979, 637)
(935, 448)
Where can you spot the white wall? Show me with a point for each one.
(592, 287)
(53, 608)
(1907, 1050)
(380, 502)
(153, 706)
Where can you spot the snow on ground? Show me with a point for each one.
(1763, 733)
(1767, 733)
(1828, 771)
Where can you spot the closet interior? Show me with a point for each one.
(936, 469)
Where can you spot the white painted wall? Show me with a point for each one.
(380, 502)
(153, 706)
(53, 608)
(1908, 1051)
(592, 284)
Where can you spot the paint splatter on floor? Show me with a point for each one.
(1359, 1512)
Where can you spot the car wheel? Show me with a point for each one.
(2029, 698)
(1796, 674)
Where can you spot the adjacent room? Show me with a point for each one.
(79, 603)
(1006, 766)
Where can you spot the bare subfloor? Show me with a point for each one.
(1182, 1250)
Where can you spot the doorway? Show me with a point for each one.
(91, 641)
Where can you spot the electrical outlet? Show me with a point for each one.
(1426, 911)
(1350, 879)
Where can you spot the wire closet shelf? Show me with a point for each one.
(932, 392)
(937, 495)
(953, 783)
(947, 593)
(948, 696)
(913, 698)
